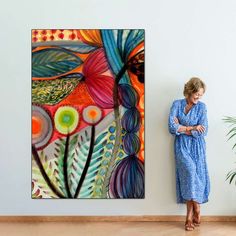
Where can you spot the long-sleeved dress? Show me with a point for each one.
(192, 178)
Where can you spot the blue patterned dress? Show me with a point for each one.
(192, 179)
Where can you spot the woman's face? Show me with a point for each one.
(194, 98)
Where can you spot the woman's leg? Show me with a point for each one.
(196, 213)
(189, 217)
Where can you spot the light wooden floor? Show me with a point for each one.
(115, 229)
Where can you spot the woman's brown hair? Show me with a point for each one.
(193, 86)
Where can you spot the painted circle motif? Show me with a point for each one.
(42, 127)
(92, 114)
(66, 119)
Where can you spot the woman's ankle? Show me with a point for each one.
(196, 206)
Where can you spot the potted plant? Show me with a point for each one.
(231, 176)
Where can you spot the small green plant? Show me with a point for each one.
(232, 133)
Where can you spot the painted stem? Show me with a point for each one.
(44, 174)
(65, 171)
(105, 187)
(107, 177)
(82, 178)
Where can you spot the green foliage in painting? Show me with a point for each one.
(53, 62)
(39, 182)
(51, 92)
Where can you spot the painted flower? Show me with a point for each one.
(66, 119)
(92, 115)
(99, 85)
(42, 128)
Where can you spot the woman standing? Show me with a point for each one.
(188, 122)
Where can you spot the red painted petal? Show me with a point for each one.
(101, 90)
(95, 64)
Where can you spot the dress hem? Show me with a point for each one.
(185, 200)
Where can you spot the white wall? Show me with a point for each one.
(183, 38)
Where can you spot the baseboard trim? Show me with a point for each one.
(148, 218)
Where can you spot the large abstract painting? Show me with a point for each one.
(88, 113)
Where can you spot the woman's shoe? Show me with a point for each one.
(196, 218)
(189, 226)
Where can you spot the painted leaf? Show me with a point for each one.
(88, 186)
(53, 61)
(73, 46)
(91, 37)
(78, 152)
(127, 180)
(80, 48)
(51, 92)
(104, 142)
(134, 38)
(40, 188)
(59, 174)
(118, 45)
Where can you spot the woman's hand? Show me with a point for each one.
(176, 120)
(200, 128)
(188, 132)
(185, 129)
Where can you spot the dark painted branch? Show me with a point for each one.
(82, 178)
(65, 166)
(44, 174)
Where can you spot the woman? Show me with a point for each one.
(188, 122)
